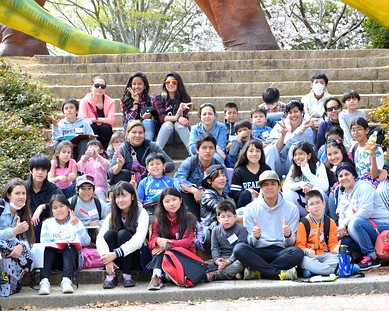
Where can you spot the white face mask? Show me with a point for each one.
(318, 89)
(15, 207)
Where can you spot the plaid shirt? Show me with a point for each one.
(132, 113)
(167, 108)
(280, 106)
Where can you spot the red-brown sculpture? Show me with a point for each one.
(241, 24)
(16, 43)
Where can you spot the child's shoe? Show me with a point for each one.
(66, 286)
(128, 281)
(44, 287)
(155, 283)
(290, 274)
(249, 274)
(111, 281)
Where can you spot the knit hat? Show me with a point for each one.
(346, 166)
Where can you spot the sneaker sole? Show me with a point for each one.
(129, 285)
(155, 288)
(369, 267)
(44, 293)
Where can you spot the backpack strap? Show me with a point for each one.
(327, 224)
(73, 204)
(194, 159)
(2, 206)
(353, 150)
(98, 206)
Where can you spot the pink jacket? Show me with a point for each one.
(86, 112)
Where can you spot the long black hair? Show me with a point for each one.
(127, 100)
(131, 220)
(181, 94)
(312, 162)
(242, 158)
(186, 220)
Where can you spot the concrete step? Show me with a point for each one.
(204, 56)
(219, 76)
(375, 281)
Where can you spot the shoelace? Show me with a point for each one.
(127, 277)
(110, 277)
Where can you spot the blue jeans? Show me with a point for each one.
(149, 129)
(332, 208)
(363, 233)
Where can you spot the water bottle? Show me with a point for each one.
(344, 262)
(372, 140)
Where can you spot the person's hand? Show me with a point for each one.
(383, 175)
(73, 218)
(311, 252)
(158, 250)
(164, 243)
(314, 123)
(54, 120)
(16, 251)
(222, 263)
(337, 247)
(256, 231)
(108, 257)
(119, 158)
(110, 267)
(342, 232)
(135, 96)
(147, 115)
(183, 121)
(253, 192)
(243, 135)
(72, 176)
(197, 195)
(35, 217)
(62, 178)
(286, 229)
(21, 227)
(306, 188)
(95, 223)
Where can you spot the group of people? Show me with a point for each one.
(247, 181)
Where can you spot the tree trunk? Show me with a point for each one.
(242, 25)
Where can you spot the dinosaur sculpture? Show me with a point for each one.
(29, 17)
(242, 25)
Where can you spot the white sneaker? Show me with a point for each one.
(44, 287)
(66, 286)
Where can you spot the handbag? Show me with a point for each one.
(152, 110)
(382, 243)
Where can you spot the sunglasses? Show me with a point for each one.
(97, 85)
(330, 109)
(168, 82)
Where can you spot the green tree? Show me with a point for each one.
(151, 25)
(377, 34)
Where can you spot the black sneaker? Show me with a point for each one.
(368, 262)
(128, 281)
(111, 281)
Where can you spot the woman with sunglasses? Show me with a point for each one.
(332, 107)
(209, 124)
(173, 105)
(98, 109)
(137, 104)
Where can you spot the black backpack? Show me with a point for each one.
(73, 204)
(2, 206)
(327, 223)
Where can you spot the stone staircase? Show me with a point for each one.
(220, 77)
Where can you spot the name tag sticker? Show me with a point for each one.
(233, 238)
(92, 213)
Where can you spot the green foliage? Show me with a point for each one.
(377, 34)
(29, 100)
(381, 115)
(24, 110)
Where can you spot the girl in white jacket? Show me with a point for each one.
(305, 174)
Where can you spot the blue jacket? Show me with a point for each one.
(218, 130)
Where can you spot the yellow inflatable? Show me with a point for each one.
(28, 17)
(375, 9)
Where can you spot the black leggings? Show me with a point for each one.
(55, 259)
(115, 240)
(103, 132)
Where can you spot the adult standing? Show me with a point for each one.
(98, 109)
(137, 104)
(131, 155)
(271, 223)
(173, 105)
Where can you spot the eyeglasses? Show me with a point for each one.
(168, 82)
(313, 204)
(357, 129)
(226, 216)
(97, 85)
(330, 109)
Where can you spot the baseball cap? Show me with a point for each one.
(268, 175)
(85, 179)
(208, 172)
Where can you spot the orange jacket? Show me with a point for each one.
(316, 239)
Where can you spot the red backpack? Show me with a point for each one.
(183, 267)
